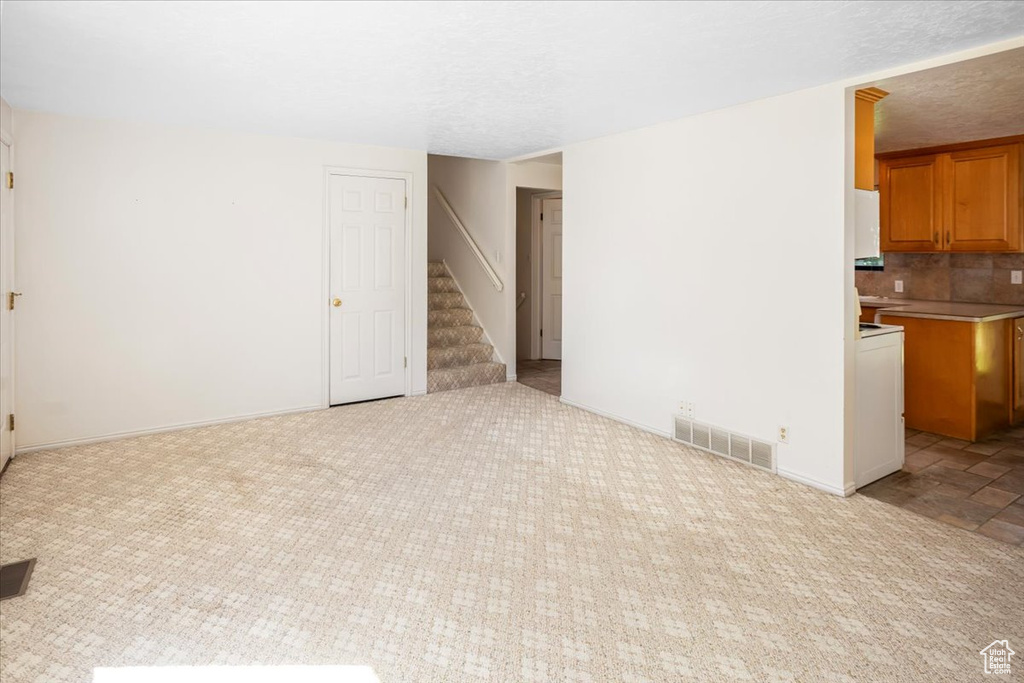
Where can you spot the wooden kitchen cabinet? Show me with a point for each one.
(910, 202)
(965, 198)
(983, 198)
(955, 375)
(867, 313)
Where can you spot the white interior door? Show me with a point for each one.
(551, 276)
(367, 288)
(6, 315)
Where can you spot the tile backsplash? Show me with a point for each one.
(978, 278)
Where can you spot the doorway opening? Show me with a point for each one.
(937, 222)
(539, 289)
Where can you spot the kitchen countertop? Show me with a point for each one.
(942, 310)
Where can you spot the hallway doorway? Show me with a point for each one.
(543, 375)
(539, 289)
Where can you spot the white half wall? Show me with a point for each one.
(681, 282)
(173, 276)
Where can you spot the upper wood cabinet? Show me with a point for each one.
(964, 197)
(983, 197)
(910, 202)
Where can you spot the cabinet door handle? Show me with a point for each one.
(935, 237)
(949, 237)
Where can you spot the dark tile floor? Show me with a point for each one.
(975, 486)
(545, 375)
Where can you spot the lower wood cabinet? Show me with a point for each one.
(867, 313)
(957, 375)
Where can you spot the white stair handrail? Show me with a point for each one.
(495, 280)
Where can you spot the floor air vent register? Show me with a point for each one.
(760, 454)
(14, 578)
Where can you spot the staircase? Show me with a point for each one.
(456, 355)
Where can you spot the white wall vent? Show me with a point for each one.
(720, 441)
(701, 436)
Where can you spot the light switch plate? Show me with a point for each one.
(899, 286)
(1016, 277)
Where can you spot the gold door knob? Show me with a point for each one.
(335, 302)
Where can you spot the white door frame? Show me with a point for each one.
(7, 142)
(536, 269)
(325, 294)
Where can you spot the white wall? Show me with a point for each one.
(174, 276)
(678, 246)
(6, 132)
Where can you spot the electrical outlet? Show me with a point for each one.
(687, 408)
(1016, 277)
(899, 286)
(783, 434)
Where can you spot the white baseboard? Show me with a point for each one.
(510, 378)
(814, 483)
(848, 490)
(617, 418)
(117, 436)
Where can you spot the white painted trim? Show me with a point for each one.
(807, 481)
(617, 418)
(325, 273)
(117, 436)
(814, 483)
(470, 242)
(7, 142)
(510, 378)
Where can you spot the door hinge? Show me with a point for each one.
(10, 299)
(10, 422)
(406, 362)
(407, 202)
(542, 331)
(10, 180)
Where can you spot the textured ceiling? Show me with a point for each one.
(488, 79)
(973, 100)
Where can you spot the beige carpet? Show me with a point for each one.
(483, 534)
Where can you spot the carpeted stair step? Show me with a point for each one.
(453, 336)
(441, 284)
(450, 317)
(455, 356)
(436, 269)
(442, 300)
(466, 376)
